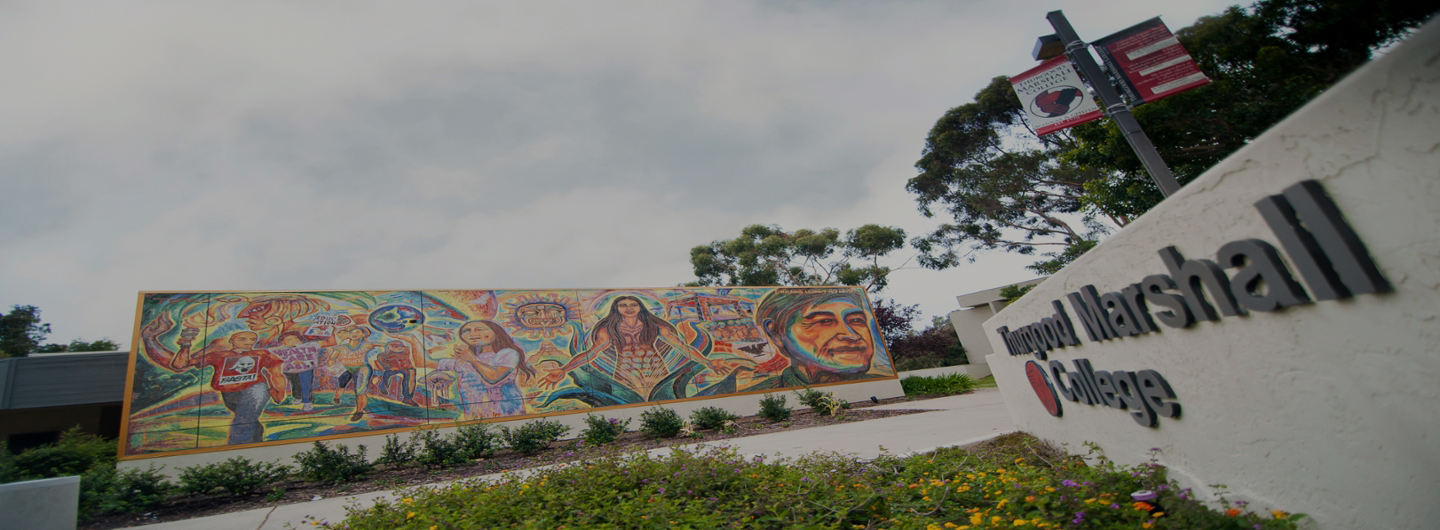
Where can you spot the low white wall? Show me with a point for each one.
(747, 404)
(45, 504)
(969, 327)
(1326, 408)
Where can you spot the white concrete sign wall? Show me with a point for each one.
(1325, 406)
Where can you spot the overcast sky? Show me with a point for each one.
(343, 145)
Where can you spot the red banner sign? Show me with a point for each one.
(1151, 60)
(1054, 97)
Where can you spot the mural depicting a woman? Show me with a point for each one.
(488, 366)
(634, 356)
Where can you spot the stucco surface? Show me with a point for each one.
(45, 504)
(1325, 408)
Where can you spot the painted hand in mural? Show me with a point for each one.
(552, 377)
(150, 337)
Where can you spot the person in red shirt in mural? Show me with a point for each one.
(246, 378)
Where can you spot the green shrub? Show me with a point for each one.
(397, 452)
(823, 403)
(477, 440)
(236, 476)
(809, 397)
(103, 489)
(106, 490)
(438, 452)
(534, 436)
(947, 384)
(711, 417)
(74, 454)
(730, 428)
(332, 465)
(660, 422)
(600, 430)
(8, 473)
(772, 407)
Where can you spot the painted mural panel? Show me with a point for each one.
(220, 370)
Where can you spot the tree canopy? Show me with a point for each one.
(21, 334)
(999, 186)
(768, 255)
(1264, 62)
(21, 331)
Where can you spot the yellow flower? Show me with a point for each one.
(409, 515)
(933, 526)
(950, 525)
(995, 519)
(925, 498)
(1280, 514)
(1020, 522)
(1147, 525)
(1029, 498)
(975, 518)
(434, 527)
(408, 500)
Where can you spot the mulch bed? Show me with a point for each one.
(295, 491)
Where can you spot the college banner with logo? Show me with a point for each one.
(1150, 62)
(1054, 97)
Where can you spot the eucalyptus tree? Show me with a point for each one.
(769, 255)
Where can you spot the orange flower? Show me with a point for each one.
(1232, 512)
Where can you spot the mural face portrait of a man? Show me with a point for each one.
(825, 335)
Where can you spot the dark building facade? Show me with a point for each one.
(45, 394)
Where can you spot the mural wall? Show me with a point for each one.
(217, 370)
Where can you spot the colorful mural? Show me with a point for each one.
(216, 370)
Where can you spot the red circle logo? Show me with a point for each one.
(1043, 390)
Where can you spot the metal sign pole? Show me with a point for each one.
(1079, 55)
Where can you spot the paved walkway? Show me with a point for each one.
(955, 420)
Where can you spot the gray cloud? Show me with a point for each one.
(196, 146)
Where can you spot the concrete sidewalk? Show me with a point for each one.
(954, 420)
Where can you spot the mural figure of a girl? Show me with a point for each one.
(487, 366)
(635, 356)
